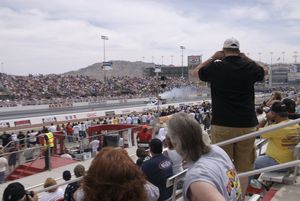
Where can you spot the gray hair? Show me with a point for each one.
(186, 132)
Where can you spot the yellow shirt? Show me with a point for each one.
(281, 143)
(50, 140)
(116, 120)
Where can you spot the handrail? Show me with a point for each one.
(24, 139)
(270, 169)
(244, 174)
(57, 185)
(27, 167)
(173, 179)
(259, 132)
(21, 150)
(60, 178)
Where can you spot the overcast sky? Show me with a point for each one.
(57, 36)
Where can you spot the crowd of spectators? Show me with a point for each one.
(57, 89)
(198, 112)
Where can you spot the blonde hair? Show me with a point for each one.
(50, 182)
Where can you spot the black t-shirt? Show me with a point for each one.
(232, 89)
(6, 138)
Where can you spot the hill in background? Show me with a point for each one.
(119, 68)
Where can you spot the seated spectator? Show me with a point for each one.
(280, 142)
(53, 194)
(173, 156)
(291, 108)
(112, 176)
(16, 192)
(158, 169)
(276, 96)
(66, 177)
(142, 155)
(211, 174)
(79, 171)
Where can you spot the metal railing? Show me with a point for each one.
(172, 181)
(77, 179)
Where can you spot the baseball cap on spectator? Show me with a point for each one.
(290, 104)
(14, 192)
(231, 43)
(279, 108)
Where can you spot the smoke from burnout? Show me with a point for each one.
(181, 92)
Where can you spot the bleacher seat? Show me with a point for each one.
(174, 181)
(288, 177)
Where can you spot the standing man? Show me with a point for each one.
(232, 76)
(48, 148)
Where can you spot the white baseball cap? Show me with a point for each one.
(231, 43)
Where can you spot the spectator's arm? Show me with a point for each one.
(34, 198)
(217, 55)
(203, 191)
(195, 72)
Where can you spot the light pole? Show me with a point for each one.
(104, 38)
(283, 56)
(171, 59)
(182, 48)
(162, 60)
(259, 56)
(270, 70)
(295, 56)
(152, 59)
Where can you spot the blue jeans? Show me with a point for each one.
(262, 162)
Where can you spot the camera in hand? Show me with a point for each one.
(29, 193)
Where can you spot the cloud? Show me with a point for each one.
(58, 36)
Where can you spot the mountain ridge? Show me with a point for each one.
(119, 68)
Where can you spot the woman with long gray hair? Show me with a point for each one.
(211, 175)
